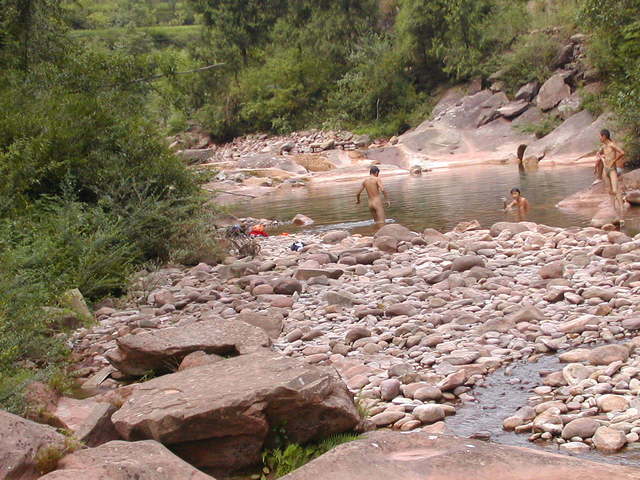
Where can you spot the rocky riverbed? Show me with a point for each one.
(387, 332)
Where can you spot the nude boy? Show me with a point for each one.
(611, 155)
(373, 186)
(519, 202)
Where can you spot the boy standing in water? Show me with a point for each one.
(373, 186)
(519, 202)
(611, 154)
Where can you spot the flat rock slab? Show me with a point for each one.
(117, 460)
(218, 416)
(163, 350)
(385, 455)
(20, 442)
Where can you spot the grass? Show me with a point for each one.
(282, 461)
(542, 128)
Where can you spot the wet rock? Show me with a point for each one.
(608, 440)
(218, 416)
(580, 427)
(161, 349)
(430, 413)
(117, 460)
(612, 403)
(386, 418)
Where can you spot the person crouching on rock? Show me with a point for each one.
(373, 186)
(611, 155)
(518, 202)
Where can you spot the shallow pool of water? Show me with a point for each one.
(500, 396)
(439, 199)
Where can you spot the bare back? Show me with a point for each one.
(373, 187)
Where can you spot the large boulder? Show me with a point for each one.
(22, 445)
(384, 455)
(575, 138)
(264, 161)
(118, 460)
(552, 92)
(162, 350)
(219, 416)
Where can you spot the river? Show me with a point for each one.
(439, 199)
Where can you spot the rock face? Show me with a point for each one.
(553, 91)
(20, 443)
(117, 460)
(219, 416)
(384, 455)
(160, 350)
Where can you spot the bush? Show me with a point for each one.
(530, 59)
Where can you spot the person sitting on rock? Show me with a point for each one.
(519, 202)
(373, 186)
(611, 155)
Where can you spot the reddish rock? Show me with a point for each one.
(384, 455)
(145, 460)
(206, 413)
(163, 350)
(20, 443)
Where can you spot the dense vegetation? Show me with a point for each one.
(89, 190)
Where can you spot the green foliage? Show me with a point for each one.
(542, 128)
(90, 190)
(614, 50)
(281, 461)
(530, 59)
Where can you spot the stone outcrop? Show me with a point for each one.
(117, 460)
(383, 455)
(22, 445)
(162, 350)
(219, 416)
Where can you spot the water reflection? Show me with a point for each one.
(438, 199)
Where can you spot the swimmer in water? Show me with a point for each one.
(375, 190)
(518, 202)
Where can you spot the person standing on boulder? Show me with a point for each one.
(611, 154)
(373, 186)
